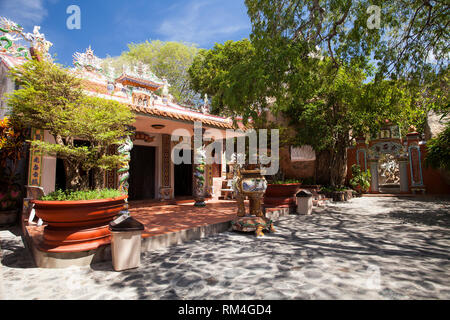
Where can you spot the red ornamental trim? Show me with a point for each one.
(143, 136)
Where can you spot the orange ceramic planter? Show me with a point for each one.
(279, 201)
(77, 225)
(282, 190)
(281, 195)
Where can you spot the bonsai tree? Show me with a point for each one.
(360, 180)
(52, 98)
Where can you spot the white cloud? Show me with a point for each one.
(27, 13)
(203, 22)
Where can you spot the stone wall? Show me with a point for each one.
(295, 169)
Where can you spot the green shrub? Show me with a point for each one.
(360, 178)
(309, 181)
(330, 189)
(438, 155)
(286, 181)
(60, 195)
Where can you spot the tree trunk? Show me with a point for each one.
(323, 167)
(73, 176)
(98, 178)
(338, 164)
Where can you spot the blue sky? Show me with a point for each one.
(109, 25)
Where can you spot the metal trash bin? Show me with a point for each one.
(304, 202)
(126, 243)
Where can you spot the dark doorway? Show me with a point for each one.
(60, 179)
(142, 173)
(60, 183)
(183, 177)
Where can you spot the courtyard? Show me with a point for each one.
(367, 248)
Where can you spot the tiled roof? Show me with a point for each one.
(11, 61)
(171, 110)
(94, 86)
(127, 79)
(97, 85)
(183, 117)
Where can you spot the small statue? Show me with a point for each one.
(205, 107)
(165, 89)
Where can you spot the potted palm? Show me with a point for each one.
(51, 98)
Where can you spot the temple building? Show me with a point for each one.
(153, 175)
(396, 163)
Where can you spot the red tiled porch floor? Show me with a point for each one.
(159, 219)
(162, 219)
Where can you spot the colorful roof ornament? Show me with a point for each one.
(110, 72)
(87, 60)
(12, 33)
(39, 42)
(139, 75)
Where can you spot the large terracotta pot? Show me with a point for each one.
(77, 225)
(282, 190)
(281, 195)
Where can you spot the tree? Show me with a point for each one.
(438, 155)
(410, 35)
(312, 61)
(229, 74)
(326, 105)
(51, 98)
(167, 60)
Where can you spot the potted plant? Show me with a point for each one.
(360, 180)
(12, 150)
(51, 98)
(281, 193)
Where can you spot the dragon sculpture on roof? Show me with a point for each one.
(10, 35)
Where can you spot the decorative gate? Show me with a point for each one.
(395, 163)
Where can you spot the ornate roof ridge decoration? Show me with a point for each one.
(139, 135)
(110, 72)
(11, 33)
(141, 71)
(87, 60)
(205, 108)
(387, 147)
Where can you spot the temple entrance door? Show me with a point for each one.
(388, 174)
(183, 177)
(142, 173)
